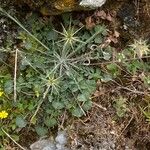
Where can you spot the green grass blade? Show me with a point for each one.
(86, 42)
(19, 24)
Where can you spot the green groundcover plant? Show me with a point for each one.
(53, 73)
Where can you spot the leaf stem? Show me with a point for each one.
(13, 140)
(19, 24)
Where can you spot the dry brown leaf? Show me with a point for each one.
(116, 34)
(109, 18)
(101, 14)
(89, 23)
(113, 37)
(105, 16)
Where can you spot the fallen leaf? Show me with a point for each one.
(116, 34)
(89, 23)
(109, 17)
(101, 14)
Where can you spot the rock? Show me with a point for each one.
(60, 147)
(61, 138)
(92, 3)
(43, 145)
(54, 7)
(47, 144)
(48, 148)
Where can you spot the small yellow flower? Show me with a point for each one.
(3, 114)
(1, 93)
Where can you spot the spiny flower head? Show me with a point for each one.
(140, 47)
(68, 36)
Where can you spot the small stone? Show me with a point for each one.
(92, 3)
(61, 138)
(43, 145)
(49, 148)
(59, 147)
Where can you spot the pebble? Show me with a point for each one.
(47, 144)
(61, 138)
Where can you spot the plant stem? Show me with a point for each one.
(13, 140)
(15, 75)
(19, 24)
(83, 44)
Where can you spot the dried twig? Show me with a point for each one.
(134, 91)
(126, 127)
(99, 106)
(13, 140)
(15, 75)
(19, 24)
(117, 61)
(36, 111)
(63, 120)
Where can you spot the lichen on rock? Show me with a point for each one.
(54, 7)
(63, 5)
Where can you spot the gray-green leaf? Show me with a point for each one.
(20, 122)
(41, 131)
(58, 105)
(77, 112)
(50, 122)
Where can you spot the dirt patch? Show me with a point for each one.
(102, 129)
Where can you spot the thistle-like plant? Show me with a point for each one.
(67, 59)
(52, 84)
(68, 36)
(63, 64)
(140, 48)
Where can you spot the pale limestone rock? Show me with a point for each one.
(46, 144)
(92, 3)
(43, 145)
